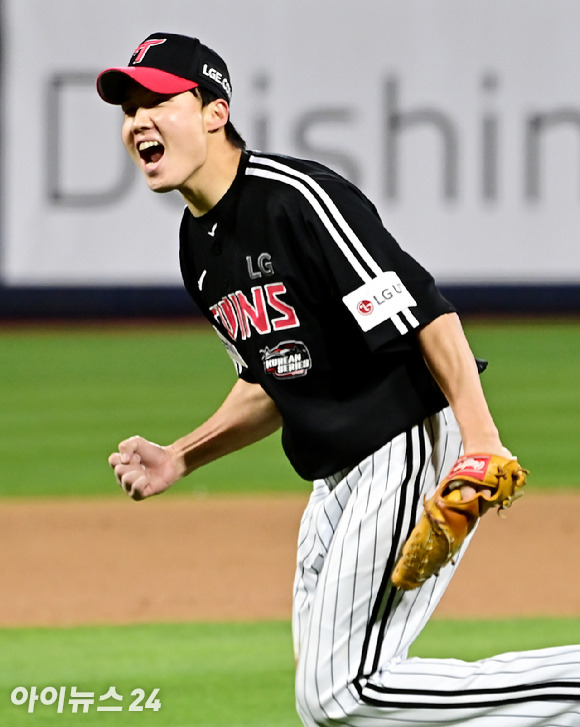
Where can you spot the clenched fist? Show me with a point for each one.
(143, 468)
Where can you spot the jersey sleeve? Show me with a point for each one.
(385, 290)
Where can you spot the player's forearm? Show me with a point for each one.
(452, 364)
(247, 415)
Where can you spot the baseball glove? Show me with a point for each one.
(447, 518)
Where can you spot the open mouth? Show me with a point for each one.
(151, 151)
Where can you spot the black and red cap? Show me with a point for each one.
(167, 63)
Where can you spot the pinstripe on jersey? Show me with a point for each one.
(352, 629)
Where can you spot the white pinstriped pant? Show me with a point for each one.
(352, 629)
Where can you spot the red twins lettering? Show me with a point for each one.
(289, 319)
(241, 316)
(249, 314)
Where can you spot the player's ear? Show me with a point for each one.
(217, 114)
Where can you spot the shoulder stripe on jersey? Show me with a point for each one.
(331, 213)
(399, 324)
(413, 322)
(324, 218)
(332, 219)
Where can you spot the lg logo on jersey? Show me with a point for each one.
(379, 300)
(266, 312)
(366, 307)
(264, 263)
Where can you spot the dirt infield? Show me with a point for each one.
(187, 558)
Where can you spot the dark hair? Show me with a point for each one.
(232, 134)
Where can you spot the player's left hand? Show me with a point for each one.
(476, 483)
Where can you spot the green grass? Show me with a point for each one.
(70, 394)
(477, 639)
(210, 675)
(231, 675)
(533, 389)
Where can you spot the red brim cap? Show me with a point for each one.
(112, 83)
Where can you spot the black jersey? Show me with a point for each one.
(317, 303)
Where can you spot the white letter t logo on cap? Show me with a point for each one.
(139, 53)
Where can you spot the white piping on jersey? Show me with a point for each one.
(337, 220)
(399, 325)
(324, 218)
(334, 224)
(200, 281)
(410, 317)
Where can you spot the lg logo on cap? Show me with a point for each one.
(218, 77)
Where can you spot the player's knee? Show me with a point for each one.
(310, 706)
(318, 702)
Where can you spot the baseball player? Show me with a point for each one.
(343, 341)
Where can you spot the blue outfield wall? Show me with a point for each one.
(85, 303)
